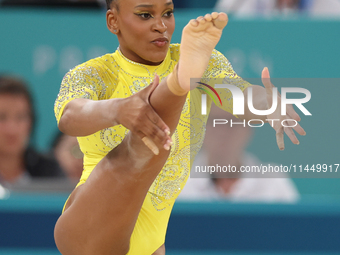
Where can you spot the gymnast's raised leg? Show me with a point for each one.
(101, 213)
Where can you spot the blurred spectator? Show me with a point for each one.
(3, 193)
(247, 7)
(100, 3)
(19, 162)
(323, 7)
(55, 3)
(225, 145)
(273, 7)
(69, 156)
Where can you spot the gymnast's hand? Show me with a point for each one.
(136, 114)
(291, 114)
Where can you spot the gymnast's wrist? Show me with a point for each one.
(115, 108)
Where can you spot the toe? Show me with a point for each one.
(221, 21)
(194, 22)
(214, 15)
(223, 16)
(202, 21)
(208, 17)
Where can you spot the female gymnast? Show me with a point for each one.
(136, 138)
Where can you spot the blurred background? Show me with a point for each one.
(298, 40)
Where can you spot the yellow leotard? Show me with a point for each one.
(114, 76)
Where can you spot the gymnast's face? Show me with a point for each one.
(144, 29)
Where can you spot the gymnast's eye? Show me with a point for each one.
(144, 15)
(168, 14)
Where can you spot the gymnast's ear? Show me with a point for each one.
(112, 20)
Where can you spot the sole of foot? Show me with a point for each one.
(199, 38)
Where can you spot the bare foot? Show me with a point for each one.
(199, 38)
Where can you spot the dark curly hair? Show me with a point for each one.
(113, 3)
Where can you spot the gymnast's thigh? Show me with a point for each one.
(150, 229)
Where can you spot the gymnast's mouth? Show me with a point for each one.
(160, 42)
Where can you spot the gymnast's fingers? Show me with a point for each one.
(150, 144)
(280, 138)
